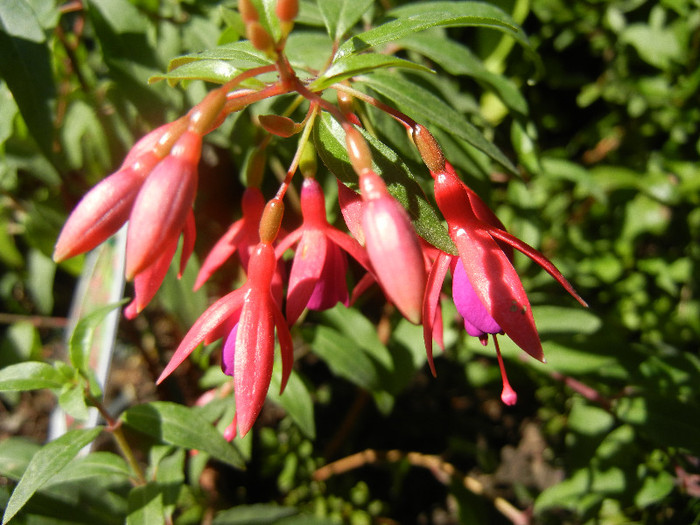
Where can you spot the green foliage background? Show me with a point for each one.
(602, 131)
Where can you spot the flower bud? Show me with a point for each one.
(278, 125)
(255, 168)
(287, 10)
(358, 151)
(248, 12)
(259, 37)
(204, 114)
(393, 248)
(429, 149)
(271, 220)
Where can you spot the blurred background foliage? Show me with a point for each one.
(604, 132)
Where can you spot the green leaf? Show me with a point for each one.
(81, 339)
(353, 65)
(457, 59)
(15, 455)
(42, 271)
(94, 464)
(351, 323)
(296, 400)
(427, 109)
(418, 17)
(146, 505)
(25, 64)
(30, 375)
(344, 357)
(329, 139)
(340, 15)
(261, 514)
(72, 401)
(181, 426)
(46, 463)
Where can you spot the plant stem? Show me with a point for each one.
(441, 469)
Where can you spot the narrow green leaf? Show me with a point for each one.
(296, 401)
(181, 426)
(46, 463)
(82, 336)
(457, 59)
(260, 514)
(15, 455)
(146, 505)
(340, 15)
(25, 64)
(418, 17)
(353, 65)
(427, 109)
(329, 139)
(30, 375)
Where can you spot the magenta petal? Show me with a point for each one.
(477, 320)
(306, 270)
(331, 287)
(431, 305)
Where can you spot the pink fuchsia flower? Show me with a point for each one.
(241, 237)
(393, 247)
(247, 318)
(106, 207)
(317, 278)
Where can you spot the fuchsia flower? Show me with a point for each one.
(106, 207)
(241, 237)
(393, 247)
(247, 318)
(317, 278)
(489, 294)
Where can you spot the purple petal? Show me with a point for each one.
(228, 354)
(477, 320)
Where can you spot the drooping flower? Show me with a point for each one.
(393, 247)
(247, 318)
(241, 237)
(317, 278)
(489, 293)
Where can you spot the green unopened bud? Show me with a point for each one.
(271, 220)
(358, 150)
(255, 168)
(429, 149)
(278, 125)
(307, 162)
(248, 12)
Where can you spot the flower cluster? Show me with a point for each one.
(154, 190)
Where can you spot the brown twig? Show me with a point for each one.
(441, 469)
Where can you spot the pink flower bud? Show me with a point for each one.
(393, 247)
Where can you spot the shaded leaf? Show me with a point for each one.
(47, 462)
(81, 338)
(352, 65)
(296, 400)
(181, 426)
(146, 505)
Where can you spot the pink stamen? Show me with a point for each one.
(508, 395)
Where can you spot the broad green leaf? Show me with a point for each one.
(42, 271)
(25, 65)
(46, 463)
(308, 51)
(241, 55)
(457, 59)
(181, 426)
(344, 357)
(654, 489)
(296, 400)
(146, 505)
(94, 464)
(329, 139)
(418, 17)
(340, 15)
(30, 375)
(353, 65)
(81, 339)
(429, 110)
(72, 401)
